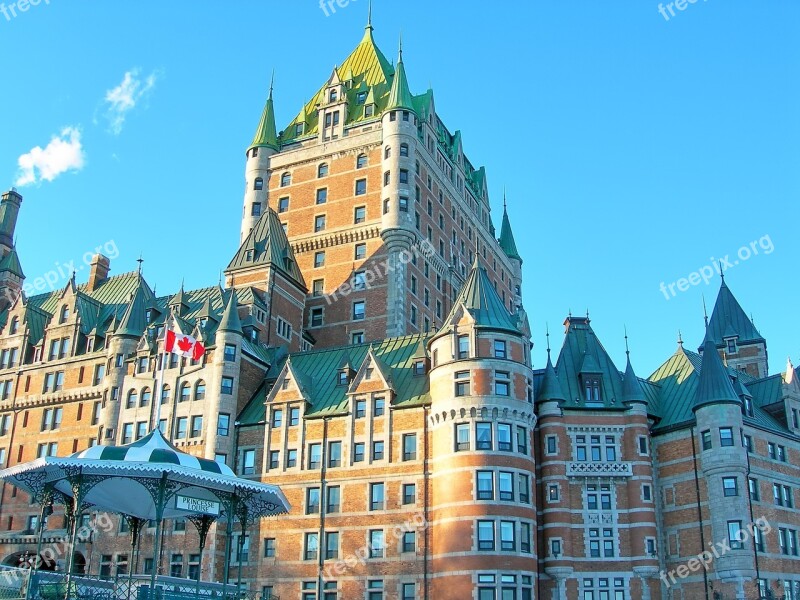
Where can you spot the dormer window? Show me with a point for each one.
(591, 390)
(148, 315)
(333, 96)
(298, 129)
(14, 326)
(368, 373)
(254, 335)
(361, 97)
(419, 368)
(463, 346)
(248, 255)
(344, 378)
(64, 314)
(747, 406)
(369, 110)
(203, 321)
(731, 345)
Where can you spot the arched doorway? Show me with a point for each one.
(78, 564)
(24, 558)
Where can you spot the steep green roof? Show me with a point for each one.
(367, 70)
(632, 390)
(230, 317)
(321, 383)
(479, 298)
(729, 320)
(10, 262)
(507, 243)
(714, 386)
(583, 353)
(266, 134)
(550, 389)
(267, 244)
(134, 319)
(400, 94)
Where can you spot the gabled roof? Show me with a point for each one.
(10, 262)
(267, 244)
(322, 366)
(583, 353)
(729, 320)
(479, 298)
(367, 68)
(506, 241)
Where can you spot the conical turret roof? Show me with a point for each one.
(267, 134)
(506, 241)
(551, 388)
(714, 385)
(400, 94)
(230, 317)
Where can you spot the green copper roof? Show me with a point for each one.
(582, 353)
(10, 262)
(400, 95)
(266, 134)
(632, 390)
(507, 243)
(481, 301)
(367, 69)
(230, 318)
(729, 320)
(715, 385)
(550, 389)
(134, 319)
(267, 244)
(321, 382)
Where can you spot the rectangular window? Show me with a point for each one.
(322, 196)
(377, 450)
(409, 493)
(410, 446)
(522, 440)
(462, 436)
(283, 205)
(735, 534)
(504, 437)
(226, 386)
(376, 496)
(755, 494)
(507, 539)
(524, 488)
(311, 546)
(483, 436)
(485, 485)
(502, 383)
(505, 484)
(335, 454)
(378, 405)
(730, 486)
(486, 535)
(409, 541)
(552, 447)
(462, 383)
(181, 427)
(376, 543)
(274, 459)
(333, 499)
(706, 439)
(248, 462)
(358, 452)
(269, 547)
(312, 501)
(331, 545)
(360, 251)
(291, 458)
(361, 187)
(277, 417)
(463, 346)
(725, 436)
(314, 456)
(359, 214)
(500, 349)
(223, 424)
(359, 310)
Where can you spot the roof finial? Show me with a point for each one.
(547, 335)
(369, 16)
(504, 198)
(680, 338)
(271, 82)
(400, 49)
(721, 272)
(627, 350)
(705, 311)
(140, 260)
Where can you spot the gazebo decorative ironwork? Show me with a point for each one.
(149, 479)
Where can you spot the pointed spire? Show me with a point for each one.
(728, 320)
(267, 134)
(632, 390)
(369, 26)
(400, 94)
(680, 339)
(705, 310)
(714, 385)
(506, 241)
(230, 317)
(551, 390)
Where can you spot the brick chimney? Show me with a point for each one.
(98, 273)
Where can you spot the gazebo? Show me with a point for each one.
(149, 479)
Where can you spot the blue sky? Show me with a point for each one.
(633, 147)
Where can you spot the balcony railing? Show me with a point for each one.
(599, 469)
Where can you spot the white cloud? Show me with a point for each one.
(63, 153)
(119, 101)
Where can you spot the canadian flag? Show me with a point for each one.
(185, 345)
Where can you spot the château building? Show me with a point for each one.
(370, 354)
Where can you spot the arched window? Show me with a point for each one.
(200, 390)
(361, 161)
(322, 170)
(186, 391)
(14, 325)
(403, 149)
(133, 398)
(286, 179)
(334, 96)
(259, 184)
(387, 152)
(145, 397)
(64, 314)
(165, 390)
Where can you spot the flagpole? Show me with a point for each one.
(160, 358)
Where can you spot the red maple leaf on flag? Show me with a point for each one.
(185, 344)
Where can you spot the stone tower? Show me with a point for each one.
(11, 275)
